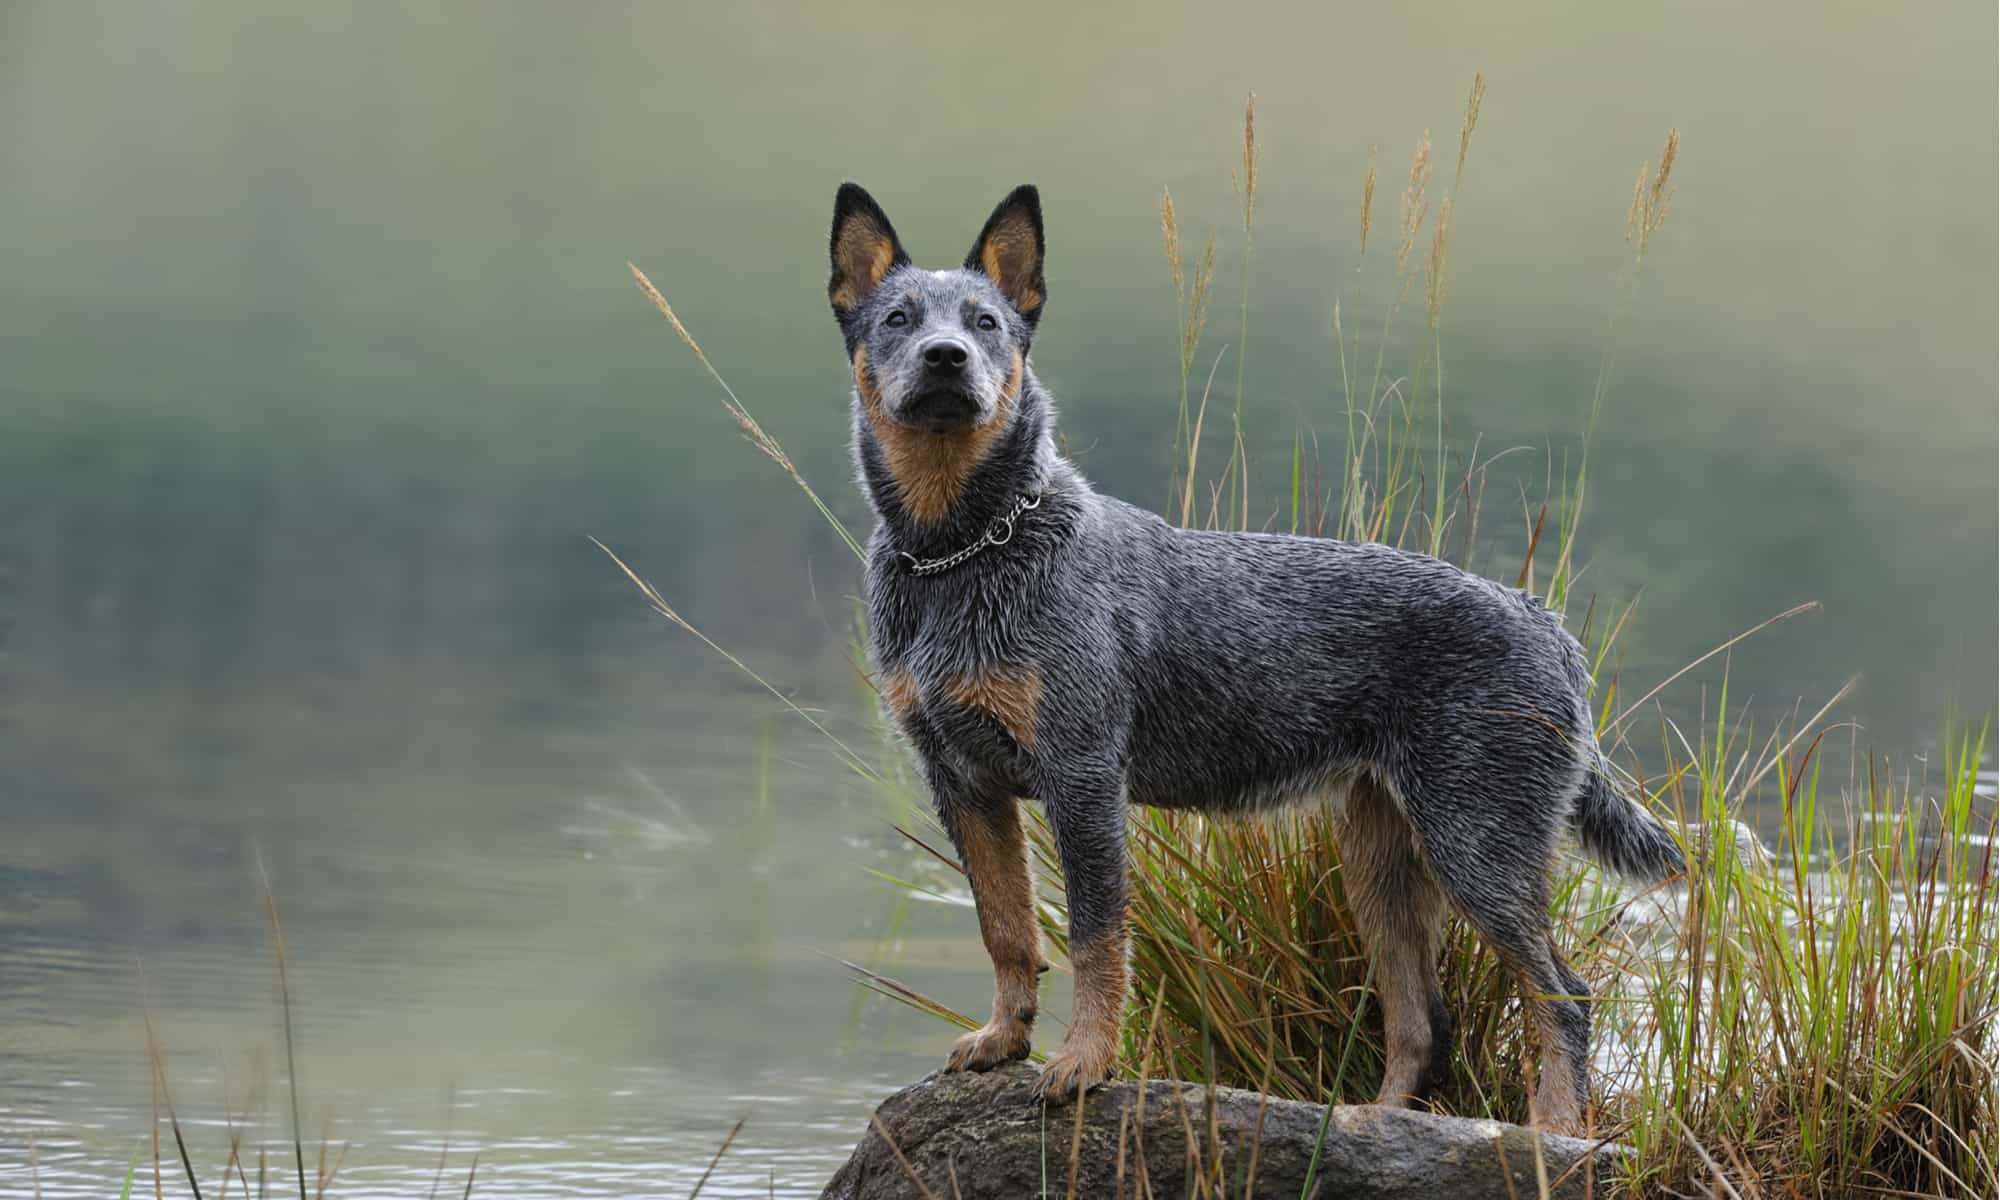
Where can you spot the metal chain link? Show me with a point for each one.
(999, 533)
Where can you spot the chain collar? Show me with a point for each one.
(999, 533)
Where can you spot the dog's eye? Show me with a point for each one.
(899, 317)
(987, 321)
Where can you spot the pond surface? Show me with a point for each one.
(319, 362)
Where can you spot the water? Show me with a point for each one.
(318, 362)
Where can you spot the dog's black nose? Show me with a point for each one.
(946, 356)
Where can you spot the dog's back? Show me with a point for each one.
(1264, 667)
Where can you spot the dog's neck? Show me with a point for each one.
(925, 517)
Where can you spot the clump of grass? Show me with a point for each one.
(1828, 1024)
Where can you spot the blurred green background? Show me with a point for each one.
(319, 361)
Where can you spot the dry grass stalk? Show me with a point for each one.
(721, 1150)
(660, 606)
(1191, 296)
(765, 443)
(1652, 199)
(881, 1131)
(1472, 102)
(1367, 209)
(666, 310)
(285, 1006)
(1237, 472)
(1434, 276)
(1246, 182)
(1199, 295)
(1414, 206)
(1194, 439)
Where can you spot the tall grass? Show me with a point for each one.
(1813, 1021)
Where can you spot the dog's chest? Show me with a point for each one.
(955, 667)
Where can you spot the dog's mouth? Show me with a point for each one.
(940, 410)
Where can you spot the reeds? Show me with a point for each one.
(1192, 291)
(1236, 477)
(1652, 200)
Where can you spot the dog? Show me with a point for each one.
(1035, 640)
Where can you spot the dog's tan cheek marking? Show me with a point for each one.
(1011, 697)
(996, 860)
(930, 469)
(900, 693)
(865, 255)
(1101, 978)
(1011, 390)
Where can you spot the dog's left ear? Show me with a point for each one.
(1009, 251)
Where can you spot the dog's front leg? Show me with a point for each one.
(1088, 818)
(987, 834)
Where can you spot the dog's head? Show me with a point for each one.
(937, 351)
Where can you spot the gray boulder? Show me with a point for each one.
(987, 1137)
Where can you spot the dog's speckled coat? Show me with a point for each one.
(1098, 656)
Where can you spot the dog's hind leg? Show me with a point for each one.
(995, 854)
(1399, 911)
(1495, 872)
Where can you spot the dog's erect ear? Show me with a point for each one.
(1009, 251)
(863, 248)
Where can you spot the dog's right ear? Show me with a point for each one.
(863, 248)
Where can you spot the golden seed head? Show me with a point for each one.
(1473, 100)
(1414, 207)
(1170, 227)
(1652, 198)
(1434, 280)
(1251, 155)
(1196, 317)
(667, 310)
(1367, 199)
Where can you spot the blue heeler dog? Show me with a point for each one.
(1036, 640)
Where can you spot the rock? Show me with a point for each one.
(987, 1137)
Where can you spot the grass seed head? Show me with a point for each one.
(1367, 199)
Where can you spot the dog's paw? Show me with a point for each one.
(988, 1046)
(1076, 1067)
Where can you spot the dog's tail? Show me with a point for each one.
(1623, 836)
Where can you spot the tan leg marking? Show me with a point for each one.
(996, 861)
(1089, 1051)
(1556, 1106)
(1400, 911)
(1010, 696)
(899, 692)
(930, 469)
